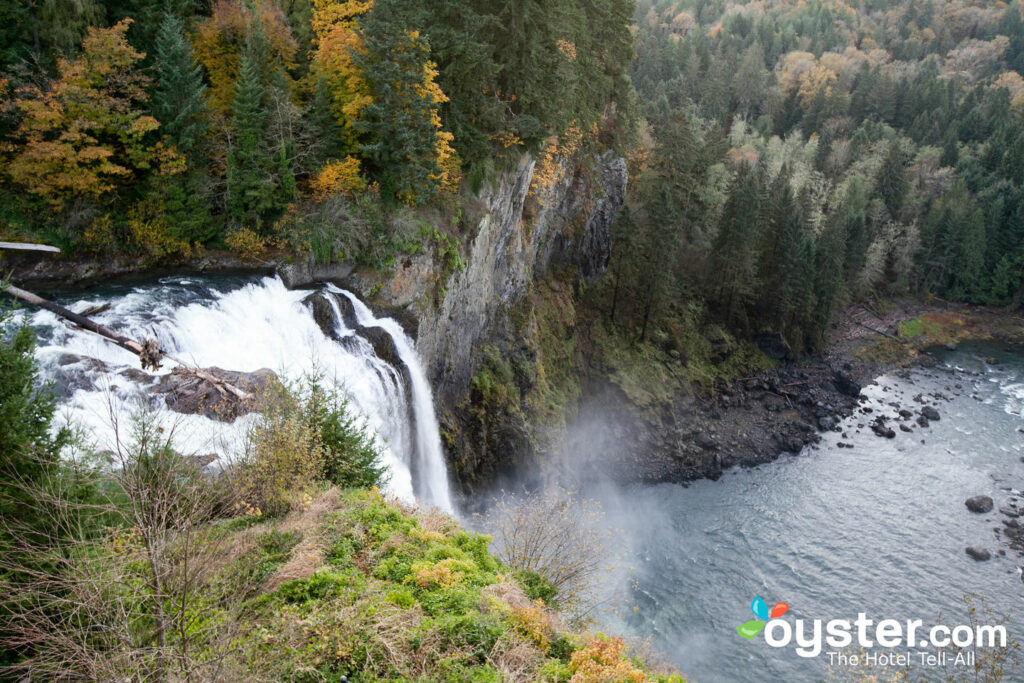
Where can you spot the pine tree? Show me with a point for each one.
(828, 278)
(406, 148)
(892, 180)
(29, 452)
(733, 275)
(950, 149)
(795, 293)
(536, 77)
(179, 101)
(250, 184)
(969, 277)
(856, 231)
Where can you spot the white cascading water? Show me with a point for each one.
(259, 325)
(433, 474)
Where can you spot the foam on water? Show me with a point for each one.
(261, 324)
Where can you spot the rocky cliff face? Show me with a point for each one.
(521, 236)
(495, 308)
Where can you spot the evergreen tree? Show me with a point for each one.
(969, 277)
(179, 101)
(950, 149)
(734, 251)
(29, 451)
(406, 149)
(892, 180)
(257, 181)
(855, 227)
(828, 278)
(536, 78)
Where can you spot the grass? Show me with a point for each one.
(359, 586)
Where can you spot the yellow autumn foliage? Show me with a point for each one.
(604, 660)
(338, 177)
(337, 42)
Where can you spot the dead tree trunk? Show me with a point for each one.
(149, 353)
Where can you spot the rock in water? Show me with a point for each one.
(930, 413)
(978, 554)
(845, 384)
(185, 392)
(979, 504)
(881, 429)
(383, 345)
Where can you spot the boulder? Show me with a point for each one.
(979, 504)
(881, 429)
(705, 442)
(185, 392)
(383, 345)
(845, 384)
(978, 554)
(930, 413)
(77, 372)
(325, 314)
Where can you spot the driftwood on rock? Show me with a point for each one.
(204, 392)
(149, 353)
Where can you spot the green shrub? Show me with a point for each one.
(351, 457)
(29, 453)
(321, 586)
(305, 436)
(536, 586)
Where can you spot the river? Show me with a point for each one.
(880, 528)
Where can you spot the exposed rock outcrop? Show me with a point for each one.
(518, 240)
(186, 393)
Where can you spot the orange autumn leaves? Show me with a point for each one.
(86, 133)
(338, 44)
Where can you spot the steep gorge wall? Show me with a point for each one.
(498, 308)
(520, 237)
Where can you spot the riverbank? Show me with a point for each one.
(63, 271)
(753, 420)
(881, 528)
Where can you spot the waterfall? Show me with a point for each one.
(246, 326)
(432, 473)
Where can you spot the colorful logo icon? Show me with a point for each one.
(760, 609)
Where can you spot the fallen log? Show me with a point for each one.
(879, 332)
(150, 357)
(149, 353)
(26, 246)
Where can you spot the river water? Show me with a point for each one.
(244, 324)
(880, 529)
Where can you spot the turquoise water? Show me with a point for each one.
(879, 529)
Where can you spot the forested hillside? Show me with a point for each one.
(158, 127)
(797, 155)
